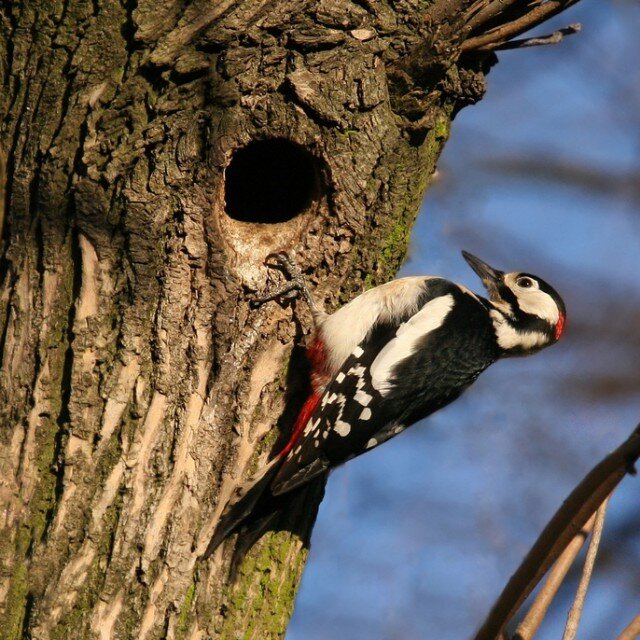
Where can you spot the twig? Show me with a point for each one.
(632, 631)
(530, 624)
(505, 32)
(483, 12)
(575, 613)
(567, 521)
(551, 38)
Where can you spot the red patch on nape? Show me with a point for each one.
(303, 417)
(560, 326)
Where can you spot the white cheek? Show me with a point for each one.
(539, 303)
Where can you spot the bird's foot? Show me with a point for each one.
(297, 284)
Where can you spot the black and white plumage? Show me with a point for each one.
(394, 355)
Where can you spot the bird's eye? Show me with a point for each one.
(525, 283)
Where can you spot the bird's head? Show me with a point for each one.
(527, 313)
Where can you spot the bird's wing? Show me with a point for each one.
(359, 409)
(340, 424)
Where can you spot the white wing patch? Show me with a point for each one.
(345, 329)
(428, 319)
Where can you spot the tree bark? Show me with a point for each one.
(138, 386)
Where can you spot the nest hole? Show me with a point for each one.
(270, 181)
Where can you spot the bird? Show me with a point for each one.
(390, 357)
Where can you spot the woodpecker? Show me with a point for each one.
(392, 356)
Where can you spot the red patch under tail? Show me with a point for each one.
(560, 326)
(303, 417)
(317, 358)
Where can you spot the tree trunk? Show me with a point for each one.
(152, 154)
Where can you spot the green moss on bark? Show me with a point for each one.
(182, 625)
(75, 624)
(12, 628)
(256, 603)
(47, 445)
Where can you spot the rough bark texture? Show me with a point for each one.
(137, 385)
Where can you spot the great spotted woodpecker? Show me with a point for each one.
(392, 356)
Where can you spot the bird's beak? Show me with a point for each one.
(491, 278)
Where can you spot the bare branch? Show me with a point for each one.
(583, 501)
(483, 13)
(566, 172)
(529, 626)
(551, 38)
(501, 34)
(632, 631)
(575, 612)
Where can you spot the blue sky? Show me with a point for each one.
(416, 539)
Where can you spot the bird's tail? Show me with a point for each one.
(241, 505)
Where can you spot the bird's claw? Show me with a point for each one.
(295, 285)
(280, 292)
(285, 262)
